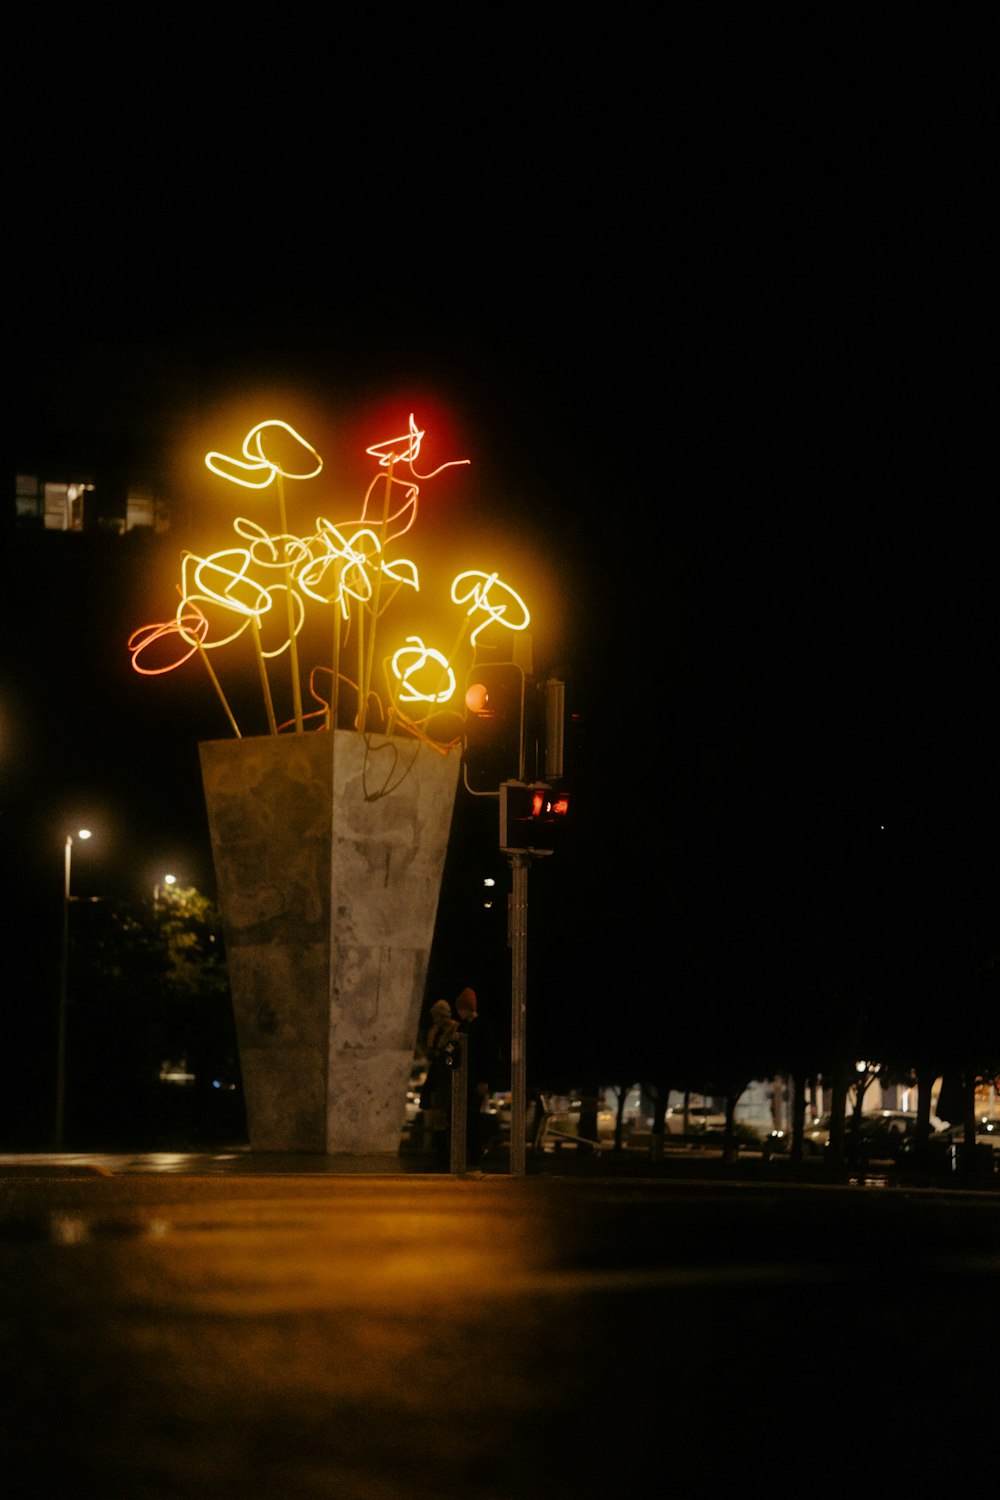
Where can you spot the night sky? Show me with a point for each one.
(705, 309)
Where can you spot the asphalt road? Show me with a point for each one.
(493, 1339)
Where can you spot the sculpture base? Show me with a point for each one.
(329, 851)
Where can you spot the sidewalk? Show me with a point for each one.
(700, 1164)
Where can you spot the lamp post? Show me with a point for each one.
(82, 833)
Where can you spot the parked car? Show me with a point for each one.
(947, 1145)
(499, 1106)
(701, 1118)
(561, 1127)
(816, 1135)
(417, 1075)
(882, 1133)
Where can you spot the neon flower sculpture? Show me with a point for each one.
(267, 584)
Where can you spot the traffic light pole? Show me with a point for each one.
(518, 997)
(459, 1108)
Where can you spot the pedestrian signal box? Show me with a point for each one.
(533, 818)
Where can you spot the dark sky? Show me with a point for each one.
(706, 305)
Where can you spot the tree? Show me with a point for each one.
(150, 986)
(621, 1092)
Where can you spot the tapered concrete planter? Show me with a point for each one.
(328, 905)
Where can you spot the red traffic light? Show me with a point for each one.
(532, 818)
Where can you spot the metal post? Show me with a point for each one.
(518, 993)
(459, 1106)
(555, 727)
(63, 986)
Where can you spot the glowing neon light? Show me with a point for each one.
(191, 627)
(408, 507)
(479, 592)
(215, 582)
(405, 449)
(262, 469)
(410, 691)
(270, 551)
(210, 581)
(403, 571)
(220, 587)
(350, 559)
(227, 593)
(296, 616)
(321, 557)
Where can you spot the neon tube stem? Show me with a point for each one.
(292, 647)
(362, 699)
(333, 712)
(457, 646)
(265, 685)
(366, 683)
(215, 683)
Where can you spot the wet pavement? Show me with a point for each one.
(184, 1325)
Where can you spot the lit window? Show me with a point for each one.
(64, 505)
(140, 509)
(28, 499)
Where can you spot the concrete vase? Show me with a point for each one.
(329, 893)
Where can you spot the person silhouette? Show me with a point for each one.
(481, 1069)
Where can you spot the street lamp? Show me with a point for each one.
(82, 833)
(168, 880)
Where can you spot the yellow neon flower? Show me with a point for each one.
(411, 691)
(350, 561)
(222, 579)
(403, 570)
(271, 550)
(259, 470)
(479, 591)
(222, 583)
(298, 616)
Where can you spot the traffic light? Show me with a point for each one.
(494, 725)
(532, 818)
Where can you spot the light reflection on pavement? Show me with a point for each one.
(298, 1335)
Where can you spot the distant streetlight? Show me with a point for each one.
(167, 880)
(60, 1120)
